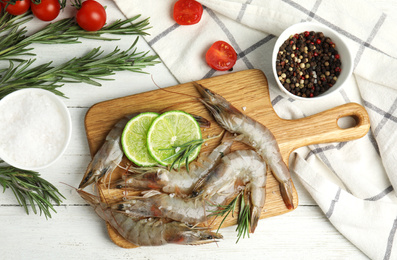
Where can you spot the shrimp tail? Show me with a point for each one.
(286, 193)
(255, 216)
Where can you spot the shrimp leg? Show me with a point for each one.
(253, 134)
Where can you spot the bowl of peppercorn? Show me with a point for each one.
(311, 61)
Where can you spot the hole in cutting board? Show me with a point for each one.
(347, 122)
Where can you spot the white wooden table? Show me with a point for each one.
(75, 231)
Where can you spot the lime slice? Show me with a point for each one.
(133, 139)
(170, 130)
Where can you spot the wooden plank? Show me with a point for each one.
(247, 89)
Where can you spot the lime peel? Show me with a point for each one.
(134, 139)
(170, 130)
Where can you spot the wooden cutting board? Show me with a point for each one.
(248, 92)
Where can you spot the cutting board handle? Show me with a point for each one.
(323, 127)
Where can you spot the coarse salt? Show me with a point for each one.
(33, 129)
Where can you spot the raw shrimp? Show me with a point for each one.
(239, 169)
(180, 182)
(253, 134)
(150, 232)
(108, 156)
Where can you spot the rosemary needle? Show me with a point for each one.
(30, 190)
(8, 21)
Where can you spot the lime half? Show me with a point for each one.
(169, 131)
(133, 139)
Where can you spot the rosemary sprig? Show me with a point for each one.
(225, 209)
(65, 31)
(89, 68)
(30, 190)
(182, 153)
(243, 220)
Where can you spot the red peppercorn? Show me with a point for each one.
(291, 42)
(337, 56)
(318, 41)
(338, 69)
(307, 34)
(315, 54)
(311, 94)
(296, 36)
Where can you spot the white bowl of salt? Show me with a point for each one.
(35, 128)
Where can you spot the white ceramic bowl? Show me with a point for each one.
(35, 128)
(341, 47)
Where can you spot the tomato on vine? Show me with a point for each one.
(18, 8)
(46, 10)
(91, 15)
(187, 12)
(221, 56)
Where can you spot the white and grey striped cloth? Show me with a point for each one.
(352, 181)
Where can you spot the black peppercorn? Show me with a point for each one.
(308, 64)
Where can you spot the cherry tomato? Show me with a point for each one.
(187, 12)
(221, 56)
(91, 16)
(20, 7)
(47, 10)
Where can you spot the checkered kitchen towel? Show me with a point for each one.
(353, 182)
